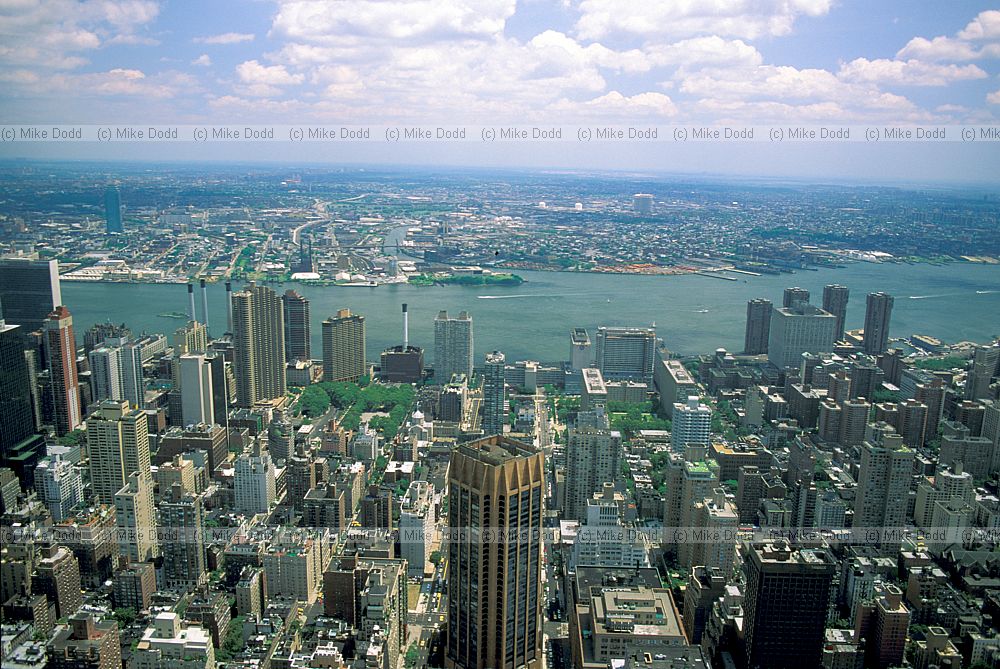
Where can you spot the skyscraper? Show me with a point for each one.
(801, 328)
(835, 302)
(197, 392)
(29, 291)
(254, 482)
(593, 457)
(494, 586)
(297, 330)
(642, 203)
(453, 346)
(60, 343)
(136, 518)
(878, 311)
(787, 596)
(985, 367)
(106, 373)
(17, 421)
(113, 210)
(344, 347)
(184, 559)
(59, 486)
(259, 345)
(758, 326)
(883, 484)
(793, 295)
(625, 353)
(580, 353)
(494, 394)
(118, 442)
(692, 424)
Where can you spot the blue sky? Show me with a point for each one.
(499, 61)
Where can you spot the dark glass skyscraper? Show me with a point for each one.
(297, 331)
(878, 312)
(835, 301)
(495, 493)
(113, 210)
(758, 326)
(29, 291)
(17, 421)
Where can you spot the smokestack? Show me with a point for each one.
(406, 329)
(229, 306)
(204, 302)
(194, 316)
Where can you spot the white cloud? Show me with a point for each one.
(252, 72)
(700, 51)
(748, 19)
(994, 97)
(909, 72)
(939, 48)
(203, 60)
(420, 20)
(985, 26)
(225, 38)
(654, 103)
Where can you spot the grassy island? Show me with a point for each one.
(466, 280)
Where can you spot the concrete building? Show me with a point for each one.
(453, 346)
(626, 353)
(294, 567)
(344, 352)
(197, 392)
(603, 540)
(499, 625)
(135, 514)
(64, 384)
(758, 328)
(878, 312)
(692, 424)
(254, 483)
(593, 458)
(494, 394)
(800, 328)
(580, 352)
(416, 527)
(184, 560)
(170, 644)
(835, 299)
(59, 486)
(674, 383)
(86, 643)
(594, 392)
(258, 345)
(118, 443)
(883, 623)
(883, 484)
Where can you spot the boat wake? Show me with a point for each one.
(515, 297)
(986, 292)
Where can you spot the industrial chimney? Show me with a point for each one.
(204, 302)
(194, 316)
(406, 329)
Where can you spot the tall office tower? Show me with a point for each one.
(113, 210)
(182, 515)
(106, 373)
(692, 424)
(118, 442)
(642, 203)
(344, 347)
(192, 338)
(494, 587)
(785, 605)
(793, 295)
(913, 423)
(878, 311)
(136, 517)
(801, 328)
(57, 576)
(883, 484)
(494, 394)
(254, 482)
(59, 486)
(580, 353)
(985, 367)
(453, 346)
(835, 301)
(197, 390)
(626, 353)
(133, 381)
(259, 343)
(593, 458)
(17, 421)
(758, 326)
(60, 344)
(29, 291)
(297, 330)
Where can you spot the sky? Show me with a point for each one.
(507, 61)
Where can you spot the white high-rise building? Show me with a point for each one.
(883, 484)
(416, 527)
(59, 485)
(593, 458)
(453, 346)
(197, 404)
(136, 517)
(106, 373)
(254, 482)
(626, 354)
(118, 442)
(692, 424)
(603, 540)
(797, 329)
